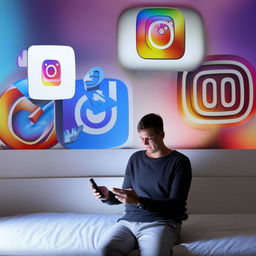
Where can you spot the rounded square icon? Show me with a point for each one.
(160, 34)
(220, 92)
(26, 124)
(160, 39)
(94, 119)
(51, 72)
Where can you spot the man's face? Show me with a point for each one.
(151, 140)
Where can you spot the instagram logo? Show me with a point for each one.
(51, 72)
(160, 34)
(220, 92)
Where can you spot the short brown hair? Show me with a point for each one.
(151, 121)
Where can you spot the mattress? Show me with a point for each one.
(218, 235)
(77, 234)
(55, 234)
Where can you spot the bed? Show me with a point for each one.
(45, 211)
(75, 234)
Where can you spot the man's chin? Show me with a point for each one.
(149, 150)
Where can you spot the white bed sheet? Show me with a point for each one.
(55, 234)
(218, 235)
(76, 234)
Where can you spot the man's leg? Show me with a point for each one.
(157, 238)
(117, 241)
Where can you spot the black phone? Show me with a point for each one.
(96, 187)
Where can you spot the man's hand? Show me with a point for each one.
(103, 190)
(126, 196)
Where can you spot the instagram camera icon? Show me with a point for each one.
(51, 72)
(220, 92)
(160, 34)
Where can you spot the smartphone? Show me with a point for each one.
(96, 187)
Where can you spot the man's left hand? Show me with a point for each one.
(126, 196)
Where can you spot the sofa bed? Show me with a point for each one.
(56, 214)
(75, 234)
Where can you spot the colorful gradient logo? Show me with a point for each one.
(220, 92)
(23, 124)
(160, 34)
(51, 72)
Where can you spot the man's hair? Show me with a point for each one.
(151, 121)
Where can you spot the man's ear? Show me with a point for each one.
(162, 134)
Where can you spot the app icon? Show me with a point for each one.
(160, 34)
(51, 72)
(159, 38)
(25, 124)
(94, 118)
(220, 92)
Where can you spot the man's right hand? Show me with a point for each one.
(103, 190)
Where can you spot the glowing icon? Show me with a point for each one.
(220, 92)
(95, 117)
(160, 34)
(160, 38)
(51, 72)
(25, 125)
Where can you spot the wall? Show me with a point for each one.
(112, 162)
(224, 181)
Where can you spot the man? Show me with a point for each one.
(154, 191)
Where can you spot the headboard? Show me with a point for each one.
(224, 181)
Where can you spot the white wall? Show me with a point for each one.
(224, 181)
(112, 162)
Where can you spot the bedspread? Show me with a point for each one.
(76, 234)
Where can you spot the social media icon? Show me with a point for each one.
(161, 39)
(51, 72)
(96, 118)
(24, 124)
(160, 34)
(220, 92)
